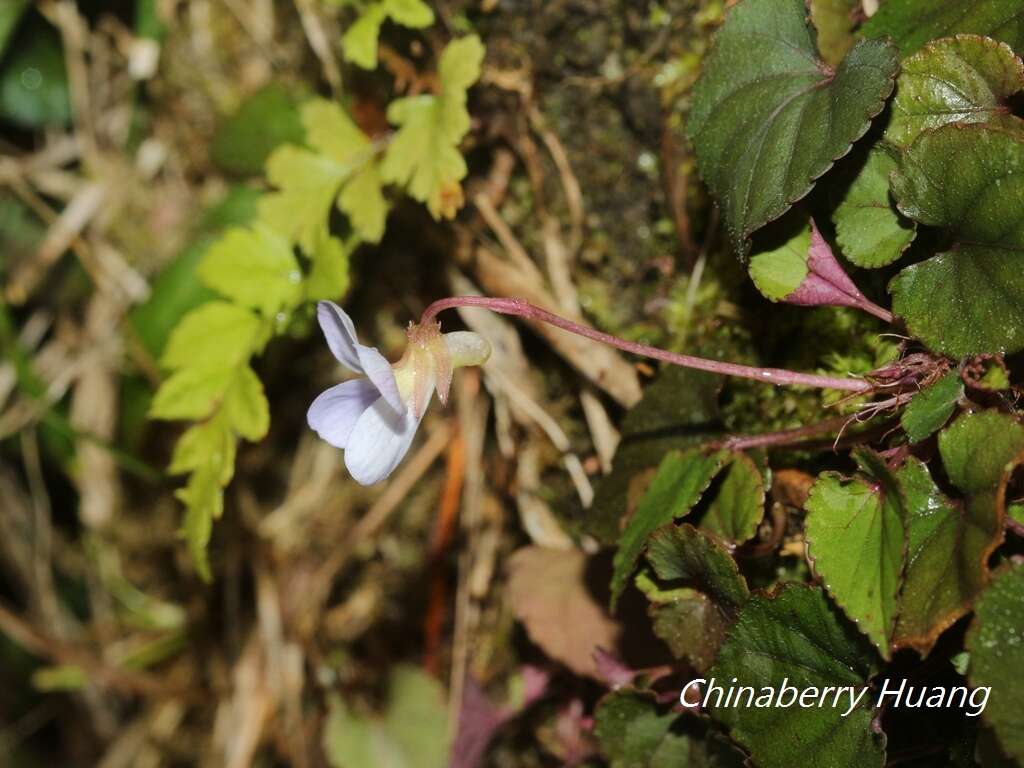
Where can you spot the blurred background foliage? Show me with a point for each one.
(159, 158)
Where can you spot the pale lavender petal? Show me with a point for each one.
(340, 334)
(335, 412)
(382, 375)
(379, 441)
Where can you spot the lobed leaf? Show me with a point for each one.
(359, 43)
(254, 267)
(424, 153)
(190, 394)
(204, 501)
(769, 116)
(693, 621)
(209, 443)
(246, 407)
(216, 335)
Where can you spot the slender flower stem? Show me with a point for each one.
(873, 309)
(521, 308)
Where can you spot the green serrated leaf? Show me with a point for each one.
(255, 267)
(739, 505)
(931, 407)
(424, 153)
(691, 625)
(778, 272)
(970, 299)
(693, 621)
(677, 486)
(204, 501)
(414, 14)
(686, 554)
(308, 185)
(962, 79)
(679, 410)
(634, 732)
(359, 43)
(947, 554)
(769, 116)
(331, 132)
(977, 449)
(997, 657)
(795, 636)
(362, 200)
(912, 23)
(856, 541)
(869, 229)
(207, 444)
(190, 394)
(246, 407)
(216, 335)
(329, 278)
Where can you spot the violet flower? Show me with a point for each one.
(374, 419)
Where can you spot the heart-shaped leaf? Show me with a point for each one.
(679, 410)
(932, 407)
(947, 554)
(796, 638)
(912, 23)
(686, 554)
(769, 116)
(962, 79)
(680, 481)
(634, 732)
(997, 657)
(869, 229)
(856, 542)
(970, 299)
(739, 505)
(804, 271)
(700, 591)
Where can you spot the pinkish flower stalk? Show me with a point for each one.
(524, 309)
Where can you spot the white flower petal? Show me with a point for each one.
(382, 375)
(335, 412)
(378, 443)
(467, 348)
(340, 334)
